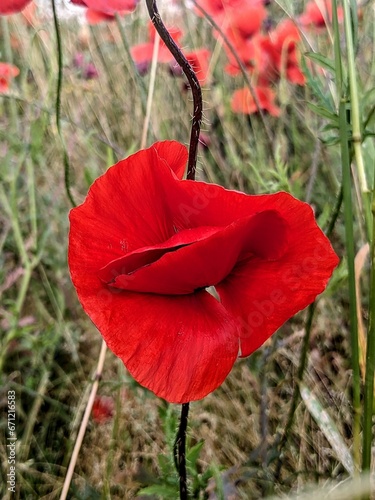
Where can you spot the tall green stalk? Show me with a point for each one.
(370, 359)
(349, 230)
(355, 114)
(350, 252)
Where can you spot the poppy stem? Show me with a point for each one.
(192, 79)
(179, 451)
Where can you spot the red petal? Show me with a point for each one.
(176, 157)
(12, 6)
(248, 20)
(243, 101)
(262, 294)
(126, 209)
(298, 276)
(95, 16)
(112, 6)
(8, 70)
(142, 53)
(181, 348)
(197, 258)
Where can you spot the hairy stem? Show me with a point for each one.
(192, 79)
(180, 452)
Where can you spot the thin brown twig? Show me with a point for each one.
(86, 416)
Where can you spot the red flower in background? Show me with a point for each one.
(145, 246)
(12, 6)
(112, 6)
(7, 73)
(104, 10)
(283, 51)
(199, 61)
(317, 13)
(245, 22)
(243, 101)
(269, 56)
(273, 55)
(240, 27)
(142, 53)
(219, 9)
(95, 16)
(102, 409)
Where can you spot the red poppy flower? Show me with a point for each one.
(317, 13)
(105, 10)
(102, 409)
(12, 6)
(7, 73)
(285, 39)
(244, 23)
(108, 6)
(95, 16)
(142, 53)
(145, 246)
(199, 61)
(243, 101)
(272, 55)
(219, 9)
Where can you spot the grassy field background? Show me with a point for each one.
(49, 348)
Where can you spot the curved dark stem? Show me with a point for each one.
(179, 451)
(192, 79)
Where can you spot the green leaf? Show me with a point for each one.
(322, 111)
(322, 61)
(164, 464)
(354, 22)
(317, 88)
(193, 454)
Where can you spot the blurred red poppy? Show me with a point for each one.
(146, 248)
(220, 9)
(108, 6)
(285, 39)
(244, 23)
(102, 409)
(243, 101)
(104, 10)
(240, 26)
(12, 6)
(199, 61)
(272, 55)
(317, 13)
(7, 73)
(95, 16)
(142, 53)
